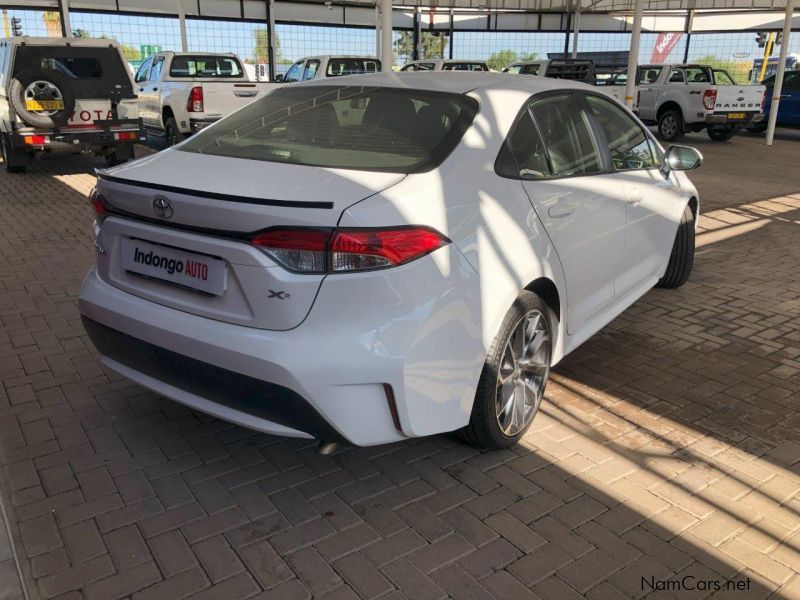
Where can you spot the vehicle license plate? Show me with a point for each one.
(735, 116)
(44, 105)
(196, 271)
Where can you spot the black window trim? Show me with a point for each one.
(576, 96)
(598, 130)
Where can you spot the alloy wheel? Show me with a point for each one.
(523, 372)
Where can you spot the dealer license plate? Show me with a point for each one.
(187, 269)
(735, 116)
(36, 105)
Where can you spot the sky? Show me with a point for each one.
(305, 40)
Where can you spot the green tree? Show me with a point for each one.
(528, 56)
(738, 69)
(261, 46)
(501, 59)
(130, 53)
(434, 45)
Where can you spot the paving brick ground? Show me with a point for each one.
(668, 449)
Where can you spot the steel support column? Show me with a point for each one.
(633, 55)
(778, 87)
(182, 24)
(386, 35)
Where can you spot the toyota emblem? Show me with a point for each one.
(162, 207)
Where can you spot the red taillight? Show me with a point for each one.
(195, 102)
(125, 135)
(310, 250)
(709, 99)
(36, 140)
(361, 249)
(298, 249)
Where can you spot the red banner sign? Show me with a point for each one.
(665, 43)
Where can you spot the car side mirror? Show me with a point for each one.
(680, 158)
(278, 78)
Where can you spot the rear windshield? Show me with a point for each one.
(343, 127)
(205, 66)
(74, 68)
(463, 66)
(337, 67)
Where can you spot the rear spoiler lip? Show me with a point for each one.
(215, 195)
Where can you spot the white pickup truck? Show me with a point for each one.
(321, 67)
(181, 93)
(688, 97)
(65, 95)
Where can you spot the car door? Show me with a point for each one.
(140, 81)
(150, 97)
(789, 107)
(578, 200)
(647, 90)
(653, 203)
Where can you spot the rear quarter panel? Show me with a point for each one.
(492, 223)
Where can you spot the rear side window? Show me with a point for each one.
(74, 67)
(524, 155)
(627, 142)
(205, 66)
(566, 136)
(697, 75)
(344, 127)
(338, 67)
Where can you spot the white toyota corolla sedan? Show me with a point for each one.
(390, 256)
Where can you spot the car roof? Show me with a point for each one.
(54, 41)
(460, 82)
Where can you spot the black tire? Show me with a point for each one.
(172, 133)
(484, 429)
(121, 154)
(681, 258)
(721, 134)
(670, 125)
(15, 159)
(35, 119)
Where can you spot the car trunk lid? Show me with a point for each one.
(185, 211)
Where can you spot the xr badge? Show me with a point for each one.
(280, 295)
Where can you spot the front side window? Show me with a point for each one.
(144, 71)
(295, 72)
(627, 142)
(205, 66)
(155, 72)
(792, 81)
(649, 75)
(566, 136)
(74, 67)
(312, 66)
(531, 69)
(513, 69)
(343, 127)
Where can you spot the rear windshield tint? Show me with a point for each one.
(74, 68)
(205, 66)
(338, 67)
(343, 127)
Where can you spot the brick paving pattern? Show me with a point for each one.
(669, 446)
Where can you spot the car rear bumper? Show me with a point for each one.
(197, 124)
(369, 365)
(68, 138)
(724, 119)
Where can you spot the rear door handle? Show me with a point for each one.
(635, 196)
(561, 211)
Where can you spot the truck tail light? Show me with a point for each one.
(36, 140)
(125, 135)
(709, 99)
(195, 102)
(309, 250)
